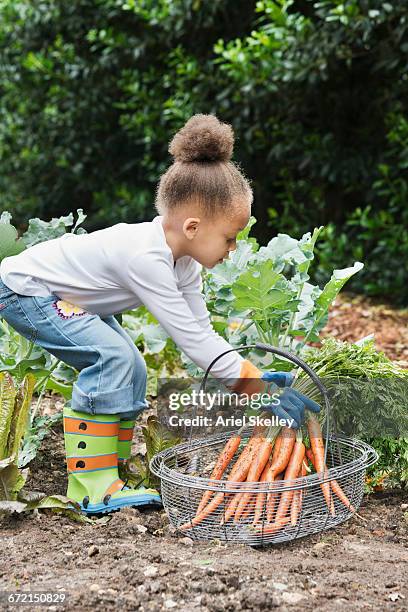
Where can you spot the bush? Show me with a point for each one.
(92, 92)
(373, 234)
(90, 95)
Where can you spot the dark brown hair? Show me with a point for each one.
(202, 170)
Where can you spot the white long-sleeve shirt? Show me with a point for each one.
(120, 268)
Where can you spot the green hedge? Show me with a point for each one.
(93, 90)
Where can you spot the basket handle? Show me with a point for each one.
(287, 355)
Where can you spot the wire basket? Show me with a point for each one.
(180, 470)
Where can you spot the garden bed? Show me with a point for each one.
(354, 316)
(136, 561)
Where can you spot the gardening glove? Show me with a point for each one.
(281, 379)
(253, 380)
(291, 403)
(249, 381)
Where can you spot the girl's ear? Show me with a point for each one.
(190, 227)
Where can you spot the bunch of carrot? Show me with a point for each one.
(271, 455)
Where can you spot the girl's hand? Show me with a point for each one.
(291, 404)
(282, 379)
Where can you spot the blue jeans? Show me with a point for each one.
(112, 373)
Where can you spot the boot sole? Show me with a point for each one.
(115, 505)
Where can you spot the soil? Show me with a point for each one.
(354, 316)
(133, 560)
(136, 561)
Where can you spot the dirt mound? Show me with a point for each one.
(354, 317)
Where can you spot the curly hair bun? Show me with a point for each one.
(203, 138)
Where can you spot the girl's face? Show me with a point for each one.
(211, 241)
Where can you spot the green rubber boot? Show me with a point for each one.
(125, 438)
(91, 444)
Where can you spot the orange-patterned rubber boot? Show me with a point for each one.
(91, 444)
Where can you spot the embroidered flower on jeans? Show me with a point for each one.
(66, 310)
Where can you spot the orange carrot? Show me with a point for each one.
(273, 501)
(282, 453)
(250, 448)
(336, 488)
(223, 461)
(276, 448)
(246, 513)
(256, 469)
(249, 509)
(295, 507)
(310, 456)
(238, 474)
(280, 460)
(297, 500)
(244, 459)
(232, 506)
(341, 495)
(260, 501)
(317, 444)
(291, 472)
(268, 528)
(261, 497)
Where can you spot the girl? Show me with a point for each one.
(63, 294)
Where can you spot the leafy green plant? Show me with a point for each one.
(161, 355)
(15, 401)
(264, 294)
(20, 358)
(57, 504)
(34, 435)
(15, 398)
(287, 75)
(391, 470)
(37, 231)
(368, 394)
(41, 231)
(10, 243)
(368, 390)
(14, 411)
(157, 438)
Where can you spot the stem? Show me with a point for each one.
(277, 335)
(272, 433)
(304, 268)
(291, 320)
(306, 338)
(47, 376)
(3, 327)
(261, 332)
(30, 350)
(307, 468)
(37, 404)
(242, 329)
(44, 381)
(265, 336)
